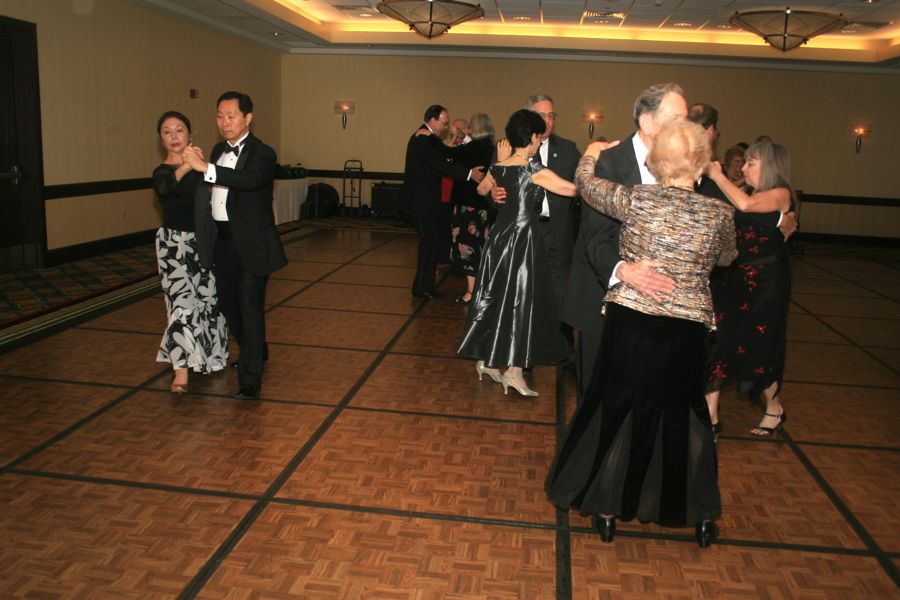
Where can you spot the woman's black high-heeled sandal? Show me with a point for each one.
(716, 429)
(606, 527)
(462, 300)
(706, 531)
(767, 431)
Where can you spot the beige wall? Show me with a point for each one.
(105, 78)
(810, 112)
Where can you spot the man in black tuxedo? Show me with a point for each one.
(236, 227)
(596, 265)
(427, 160)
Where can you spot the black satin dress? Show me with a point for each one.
(513, 318)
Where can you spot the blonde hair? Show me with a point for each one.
(680, 150)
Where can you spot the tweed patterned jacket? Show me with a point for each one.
(688, 232)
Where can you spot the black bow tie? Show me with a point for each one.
(235, 149)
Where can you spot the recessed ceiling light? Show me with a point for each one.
(275, 33)
(725, 26)
(365, 14)
(682, 24)
(521, 18)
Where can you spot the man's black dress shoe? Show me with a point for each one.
(428, 295)
(606, 527)
(706, 532)
(247, 393)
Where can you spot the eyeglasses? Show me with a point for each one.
(551, 116)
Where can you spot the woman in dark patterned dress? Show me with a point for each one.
(195, 336)
(752, 303)
(470, 226)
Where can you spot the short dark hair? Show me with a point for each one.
(522, 125)
(168, 115)
(704, 115)
(245, 104)
(433, 112)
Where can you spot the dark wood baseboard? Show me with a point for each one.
(98, 247)
(855, 240)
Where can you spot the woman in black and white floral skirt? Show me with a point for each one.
(195, 336)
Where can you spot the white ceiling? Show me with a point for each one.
(695, 29)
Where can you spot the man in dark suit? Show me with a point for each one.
(238, 231)
(596, 265)
(555, 220)
(427, 160)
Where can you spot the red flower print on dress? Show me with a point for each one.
(740, 351)
(744, 307)
(718, 371)
(761, 329)
(760, 370)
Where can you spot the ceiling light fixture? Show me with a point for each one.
(786, 29)
(430, 18)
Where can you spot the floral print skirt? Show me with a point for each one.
(195, 336)
(468, 230)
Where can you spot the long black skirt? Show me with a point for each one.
(641, 444)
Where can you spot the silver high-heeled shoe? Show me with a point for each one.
(483, 370)
(524, 390)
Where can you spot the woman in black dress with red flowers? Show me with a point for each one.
(751, 305)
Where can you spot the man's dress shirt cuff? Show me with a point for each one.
(210, 176)
(613, 280)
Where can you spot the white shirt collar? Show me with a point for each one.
(640, 154)
(240, 141)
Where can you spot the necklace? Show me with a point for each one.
(522, 156)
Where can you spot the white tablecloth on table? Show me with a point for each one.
(288, 195)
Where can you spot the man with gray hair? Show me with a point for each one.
(596, 265)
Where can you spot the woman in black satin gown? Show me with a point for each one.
(512, 319)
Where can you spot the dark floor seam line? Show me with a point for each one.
(724, 541)
(862, 386)
(861, 532)
(206, 572)
(80, 423)
(345, 310)
(848, 446)
(414, 514)
(851, 342)
(320, 279)
(114, 330)
(42, 379)
(830, 271)
(128, 483)
(563, 531)
(418, 413)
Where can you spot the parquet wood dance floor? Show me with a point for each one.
(376, 465)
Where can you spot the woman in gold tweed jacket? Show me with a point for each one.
(641, 443)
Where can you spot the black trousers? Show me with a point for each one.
(242, 299)
(429, 243)
(556, 260)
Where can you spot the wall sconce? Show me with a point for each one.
(344, 108)
(861, 131)
(592, 117)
